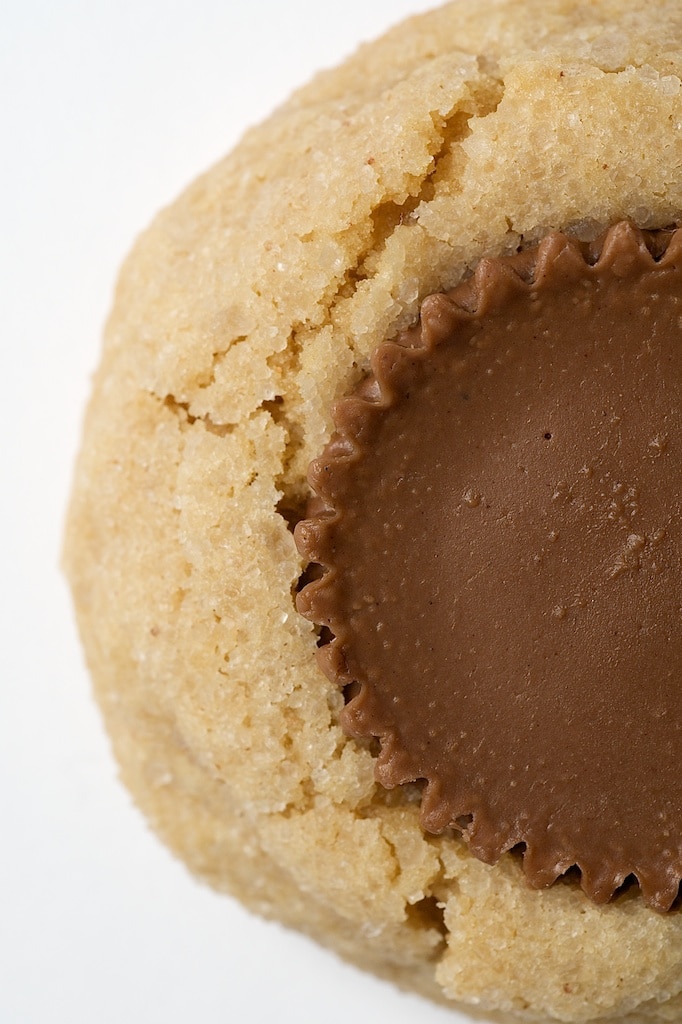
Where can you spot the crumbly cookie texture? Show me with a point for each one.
(242, 313)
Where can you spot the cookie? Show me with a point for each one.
(475, 170)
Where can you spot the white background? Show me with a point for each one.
(108, 108)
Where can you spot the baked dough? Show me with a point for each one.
(243, 312)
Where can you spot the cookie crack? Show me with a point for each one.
(386, 218)
(389, 215)
(428, 914)
(209, 377)
(186, 419)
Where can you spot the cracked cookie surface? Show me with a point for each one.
(245, 310)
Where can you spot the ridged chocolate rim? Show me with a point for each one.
(557, 262)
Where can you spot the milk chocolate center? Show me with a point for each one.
(502, 539)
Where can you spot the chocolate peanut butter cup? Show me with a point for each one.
(498, 519)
